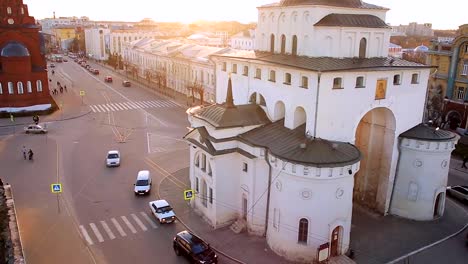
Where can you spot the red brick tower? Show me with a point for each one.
(23, 75)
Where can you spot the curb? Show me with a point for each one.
(53, 120)
(191, 230)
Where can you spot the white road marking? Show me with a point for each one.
(116, 105)
(130, 106)
(130, 226)
(92, 108)
(145, 216)
(102, 108)
(152, 104)
(138, 221)
(85, 235)
(108, 230)
(112, 107)
(148, 141)
(118, 227)
(134, 105)
(96, 232)
(109, 107)
(122, 106)
(146, 104)
(165, 104)
(140, 104)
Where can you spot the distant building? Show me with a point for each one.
(413, 29)
(395, 51)
(244, 40)
(48, 24)
(23, 74)
(97, 42)
(450, 76)
(119, 37)
(206, 39)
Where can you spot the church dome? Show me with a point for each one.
(421, 48)
(341, 3)
(14, 49)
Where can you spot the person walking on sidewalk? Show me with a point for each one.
(465, 159)
(24, 152)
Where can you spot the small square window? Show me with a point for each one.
(287, 78)
(244, 167)
(234, 68)
(415, 78)
(258, 73)
(397, 79)
(337, 83)
(246, 71)
(304, 82)
(360, 82)
(224, 66)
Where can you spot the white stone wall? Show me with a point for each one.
(300, 20)
(422, 174)
(95, 43)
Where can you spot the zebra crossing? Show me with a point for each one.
(123, 106)
(102, 231)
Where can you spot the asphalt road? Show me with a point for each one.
(97, 218)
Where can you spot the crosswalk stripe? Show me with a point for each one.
(130, 106)
(152, 104)
(130, 226)
(86, 235)
(108, 107)
(137, 220)
(118, 106)
(97, 108)
(122, 106)
(140, 105)
(146, 104)
(145, 216)
(108, 230)
(102, 108)
(165, 104)
(172, 104)
(96, 232)
(112, 107)
(118, 227)
(92, 109)
(134, 105)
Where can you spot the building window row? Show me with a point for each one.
(283, 44)
(465, 69)
(360, 81)
(20, 87)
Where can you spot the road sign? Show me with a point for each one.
(189, 195)
(82, 93)
(56, 187)
(12, 118)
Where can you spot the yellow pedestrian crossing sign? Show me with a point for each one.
(82, 93)
(189, 195)
(56, 187)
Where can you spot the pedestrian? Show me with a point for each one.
(65, 88)
(465, 159)
(30, 153)
(24, 152)
(61, 89)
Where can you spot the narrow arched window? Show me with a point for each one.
(20, 88)
(10, 88)
(39, 86)
(29, 86)
(294, 46)
(362, 48)
(303, 231)
(272, 43)
(283, 44)
(1, 88)
(9, 10)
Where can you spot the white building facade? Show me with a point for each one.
(244, 40)
(96, 41)
(119, 37)
(310, 122)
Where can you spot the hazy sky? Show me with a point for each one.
(442, 15)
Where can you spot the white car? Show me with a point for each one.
(162, 211)
(113, 158)
(35, 129)
(143, 183)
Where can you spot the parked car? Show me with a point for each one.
(126, 83)
(459, 191)
(193, 248)
(162, 211)
(95, 71)
(65, 60)
(113, 158)
(108, 79)
(143, 183)
(36, 129)
(52, 65)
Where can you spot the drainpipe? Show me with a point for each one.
(268, 193)
(319, 74)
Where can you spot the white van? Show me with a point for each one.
(143, 183)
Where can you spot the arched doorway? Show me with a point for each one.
(253, 98)
(335, 241)
(279, 111)
(375, 137)
(261, 100)
(438, 205)
(299, 117)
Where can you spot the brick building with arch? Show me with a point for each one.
(23, 74)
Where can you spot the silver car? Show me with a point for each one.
(459, 192)
(37, 129)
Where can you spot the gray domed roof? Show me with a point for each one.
(421, 48)
(343, 3)
(14, 49)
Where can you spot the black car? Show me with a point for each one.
(193, 248)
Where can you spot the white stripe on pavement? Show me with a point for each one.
(108, 230)
(134, 105)
(146, 104)
(123, 106)
(85, 235)
(130, 106)
(118, 227)
(116, 105)
(165, 104)
(140, 104)
(112, 107)
(102, 108)
(137, 220)
(153, 104)
(145, 216)
(96, 232)
(130, 226)
(92, 108)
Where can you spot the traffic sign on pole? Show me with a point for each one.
(82, 93)
(189, 195)
(56, 187)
